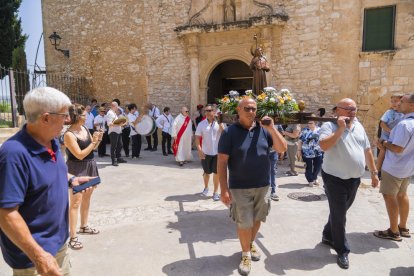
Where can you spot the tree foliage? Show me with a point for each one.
(10, 31)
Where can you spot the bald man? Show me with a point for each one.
(346, 148)
(244, 148)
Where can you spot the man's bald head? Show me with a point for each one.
(346, 102)
(246, 101)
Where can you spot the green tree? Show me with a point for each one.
(10, 31)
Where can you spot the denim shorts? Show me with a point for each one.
(249, 206)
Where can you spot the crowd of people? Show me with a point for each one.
(39, 221)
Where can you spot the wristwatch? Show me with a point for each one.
(70, 182)
(374, 173)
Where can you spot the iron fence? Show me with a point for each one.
(15, 84)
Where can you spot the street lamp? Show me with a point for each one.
(55, 40)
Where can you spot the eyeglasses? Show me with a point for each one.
(249, 109)
(208, 110)
(351, 108)
(66, 115)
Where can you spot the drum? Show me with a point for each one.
(146, 127)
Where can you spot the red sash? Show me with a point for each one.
(180, 133)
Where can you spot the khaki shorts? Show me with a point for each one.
(249, 206)
(391, 185)
(62, 258)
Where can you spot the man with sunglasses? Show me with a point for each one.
(244, 148)
(397, 169)
(347, 149)
(207, 136)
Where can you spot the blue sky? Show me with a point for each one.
(30, 12)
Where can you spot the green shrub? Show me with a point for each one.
(5, 106)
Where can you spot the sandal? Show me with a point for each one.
(88, 231)
(404, 232)
(75, 244)
(388, 234)
(289, 173)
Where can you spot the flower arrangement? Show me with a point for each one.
(270, 102)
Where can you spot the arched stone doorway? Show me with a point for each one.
(229, 75)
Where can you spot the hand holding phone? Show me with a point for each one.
(83, 186)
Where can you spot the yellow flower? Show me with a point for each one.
(226, 100)
(282, 101)
(261, 97)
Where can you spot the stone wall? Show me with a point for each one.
(129, 50)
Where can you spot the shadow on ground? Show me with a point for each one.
(320, 256)
(402, 271)
(211, 265)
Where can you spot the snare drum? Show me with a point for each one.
(146, 127)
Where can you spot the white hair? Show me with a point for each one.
(43, 99)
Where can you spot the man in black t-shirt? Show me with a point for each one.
(244, 149)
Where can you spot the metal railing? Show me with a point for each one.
(15, 84)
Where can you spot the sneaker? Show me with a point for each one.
(204, 192)
(121, 160)
(216, 197)
(245, 265)
(316, 183)
(274, 196)
(255, 254)
(311, 184)
(289, 173)
(114, 163)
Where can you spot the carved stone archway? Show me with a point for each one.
(209, 44)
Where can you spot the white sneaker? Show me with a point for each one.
(205, 192)
(216, 197)
(311, 184)
(316, 182)
(245, 265)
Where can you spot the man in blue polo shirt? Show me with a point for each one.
(244, 147)
(34, 189)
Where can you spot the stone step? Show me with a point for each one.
(6, 133)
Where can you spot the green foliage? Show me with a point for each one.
(10, 31)
(5, 107)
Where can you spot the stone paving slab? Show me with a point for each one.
(154, 221)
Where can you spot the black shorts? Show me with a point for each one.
(209, 164)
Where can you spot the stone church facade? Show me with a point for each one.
(186, 52)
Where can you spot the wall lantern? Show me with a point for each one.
(55, 40)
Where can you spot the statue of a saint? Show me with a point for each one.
(259, 67)
(229, 11)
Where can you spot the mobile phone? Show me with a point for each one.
(83, 186)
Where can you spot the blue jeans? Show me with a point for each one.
(313, 167)
(341, 194)
(273, 156)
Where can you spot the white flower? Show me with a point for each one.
(266, 99)
(269, 89)
(272, 100)
(285, 90)
(249, 92)
(293, 100)
(233, 93)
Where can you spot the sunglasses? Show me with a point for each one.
(249, 109)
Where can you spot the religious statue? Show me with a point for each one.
(259, 67)
(229, 11)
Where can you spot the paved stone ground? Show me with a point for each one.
(153, 221)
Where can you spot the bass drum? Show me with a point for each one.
(146, 127)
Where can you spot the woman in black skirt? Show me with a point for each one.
(81, 162)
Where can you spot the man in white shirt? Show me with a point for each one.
(99, 125)
(133, 119)
(114, 132)
(153, 112)
(89, 119)
(396, 171)
(164, 122)
(207, 136)
(181, 134)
